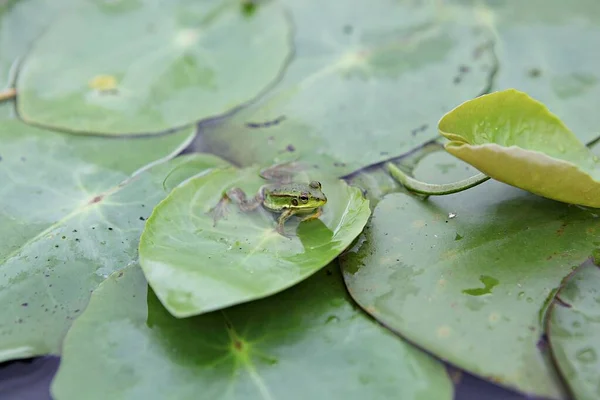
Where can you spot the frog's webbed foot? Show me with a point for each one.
(220, 211)
(314, 215)
(281, 230)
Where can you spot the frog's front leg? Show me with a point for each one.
(281, 222)
(318, 212)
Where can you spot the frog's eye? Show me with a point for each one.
(315, 185)
(304, 198)
(294, 202)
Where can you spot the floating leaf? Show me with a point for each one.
(574, 332)
(160, 65)
(534, 37)
(363, 72)
(515, 139)
(465, 276)
(71, 213)
(305, 343)
(195, 267)
(21, 22)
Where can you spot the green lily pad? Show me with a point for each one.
(308, 342)
(21, 22)
(467, 276)
(71, 213)
(514, 139)
(159, 66)
(574, 332)
(532, 38)
(363, 72)
(195, 267)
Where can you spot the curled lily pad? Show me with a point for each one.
(574, 332)
(161, 65)
(195, 266)
(534, 36)
(515, 139)
(309, 342)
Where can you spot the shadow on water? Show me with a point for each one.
(30, 380)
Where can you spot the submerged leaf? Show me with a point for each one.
(161, 65)
(514, 139)
(574, 332)
(195, 267)
(309, 342)
(71, 212)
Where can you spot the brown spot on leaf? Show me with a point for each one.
(97, 199)
(561, 230)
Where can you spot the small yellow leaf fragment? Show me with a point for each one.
(103, 83)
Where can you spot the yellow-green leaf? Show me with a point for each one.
(517, 140)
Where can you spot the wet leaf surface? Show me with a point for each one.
(515, 139)
(71, 212)
(21, 22)
(195, 267)
(161, 65)
(574, 332)
(310, 341)
(361, 73)
(467, 276)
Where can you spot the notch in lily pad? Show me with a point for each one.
(515, 139)
(196, 265)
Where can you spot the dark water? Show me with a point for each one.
(30, 380)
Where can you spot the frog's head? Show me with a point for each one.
(311, 196)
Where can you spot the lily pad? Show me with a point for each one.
(467, 276)
(514, 139)
(574, 332)
(532, 38)
(363, 72)
(21, 22)
(71, 213)
(161, 65)
(307, 342)
(195, 267)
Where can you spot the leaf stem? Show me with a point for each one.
(430, 189)
(8, 94)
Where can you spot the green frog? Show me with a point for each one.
(288, 199)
